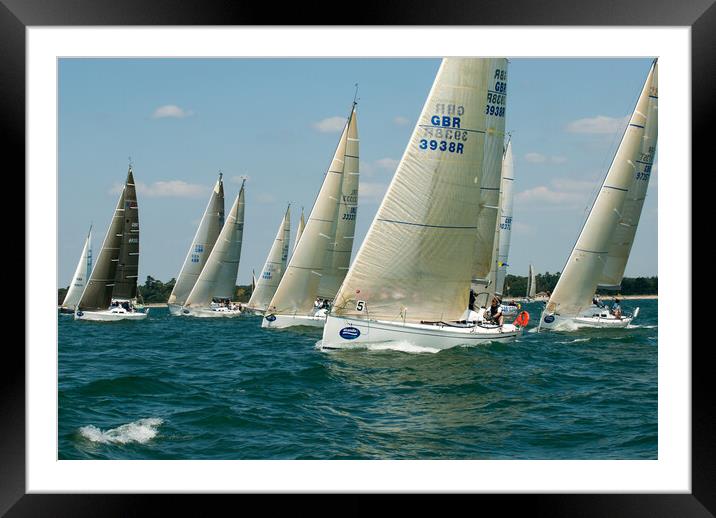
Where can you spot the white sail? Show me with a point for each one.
(274, 267)
(299, 231)
(598, 240)
(201, 246)
(338, 254)
(298, 288)
(82, 274)
(415, 262)
(505, 227)
(531, 284)
(623, 236)
(218, 278)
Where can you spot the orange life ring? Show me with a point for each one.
(522, 319)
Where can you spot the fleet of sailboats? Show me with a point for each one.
(111, 291)
(322, 254)
(442, 229)
(599, 256)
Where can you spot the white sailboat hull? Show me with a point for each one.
(174, 309)
(591, 318)
(345, 333)
(274, 321)
(110, 315)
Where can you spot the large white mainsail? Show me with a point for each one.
(505, 227)
(602, 249)
(298, 289)
(415, 262)
(82, 274)
(201, 245)
(338, 253)
(274, 267)
(218, 278)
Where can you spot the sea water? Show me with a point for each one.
(185, 388)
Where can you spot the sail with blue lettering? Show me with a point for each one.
(419, 254)
(274, 268)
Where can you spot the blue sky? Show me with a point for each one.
(278, 121)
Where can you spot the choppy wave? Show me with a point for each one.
(141, 431)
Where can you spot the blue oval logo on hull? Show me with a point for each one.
(79, 313)
(549, 319)
(349, 333)
(270, 318)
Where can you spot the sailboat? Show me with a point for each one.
(531, 291)
(274, 268)
(79, 279)
(321, 257)
(600, 254)
(216, 285)
(299, 231)
(111, 291)
(201, 246)
(496, 279)
(435, 228)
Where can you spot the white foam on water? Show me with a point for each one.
(140, 431)
(402, 346)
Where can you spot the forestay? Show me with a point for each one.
(608, 232)
(201, 245)
(416, 260)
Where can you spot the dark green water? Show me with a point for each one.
(182, 388)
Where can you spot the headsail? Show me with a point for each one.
(416, 260)
(298, 289)
(120, 246)
(81, 276)
(274, 267)
(218, 278)
(338, 253)
(201, 245)
(531, 284)
(602, 238)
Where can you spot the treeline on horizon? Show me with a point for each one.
(516, 286)
(154, 290)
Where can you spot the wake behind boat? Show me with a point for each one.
(599, 257)
(411, 277)
(111, 291)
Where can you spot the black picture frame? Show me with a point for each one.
(700, 15)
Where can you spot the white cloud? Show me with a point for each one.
(539, 158)
(535, 158)
(598, 125)
(401, 121)
(171, 110)
(389, 164)
(371, 192)
(266, 198)
(563, 192)
(168, 189)
(330, 125)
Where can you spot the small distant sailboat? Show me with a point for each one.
(216, 285)
(599, 257)
(80, 278)
(435, 228)
(531, 292)
(274, 268)
(201, 246)
(322, 254)
(299, 231)
(111, 292)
